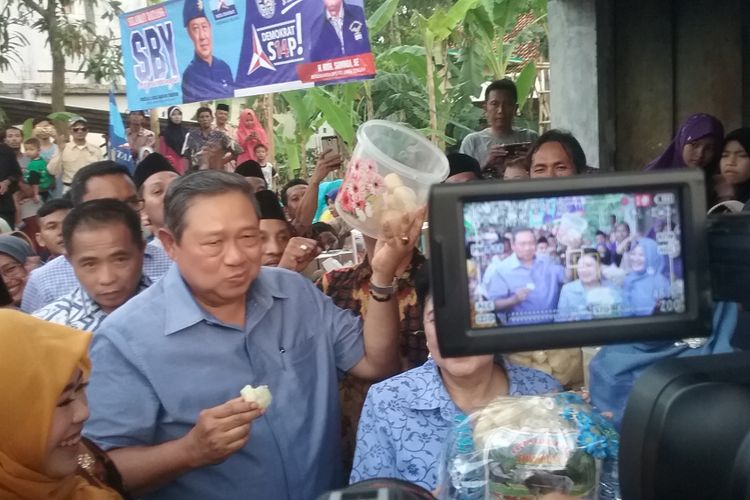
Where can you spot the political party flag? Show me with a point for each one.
(117, 143)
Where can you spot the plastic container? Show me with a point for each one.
(390, 173)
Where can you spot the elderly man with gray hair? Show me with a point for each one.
(169, 365)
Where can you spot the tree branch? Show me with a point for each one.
(30, 4)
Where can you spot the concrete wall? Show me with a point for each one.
(574, 83)
(626, 74)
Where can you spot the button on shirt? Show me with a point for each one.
(407, 419)
(78, 309)
(161, 359)
(337, 22)
(72, 159)
(504, 278)
(56, 278)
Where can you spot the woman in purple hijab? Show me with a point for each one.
(697, 145)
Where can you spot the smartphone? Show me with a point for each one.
(331, 142)
(517, 150)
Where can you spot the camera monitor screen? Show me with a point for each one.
(559, 260)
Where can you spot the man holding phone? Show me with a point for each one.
(499, 141)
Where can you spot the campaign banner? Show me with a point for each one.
(199, 50)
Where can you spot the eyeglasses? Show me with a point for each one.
(135, 203)
(13, 271)
(80, 129)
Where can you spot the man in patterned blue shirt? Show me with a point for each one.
(104, 244)
(407, 419)
(103, 179)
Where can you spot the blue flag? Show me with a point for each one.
(118, 143)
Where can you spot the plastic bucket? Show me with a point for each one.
(390, 173)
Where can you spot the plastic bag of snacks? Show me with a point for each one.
(566, 365)
(523, 448)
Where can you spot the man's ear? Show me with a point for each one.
(168, 241)
(39, 240)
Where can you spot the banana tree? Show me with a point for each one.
(307, 119)
(484, 51)
(437, 29)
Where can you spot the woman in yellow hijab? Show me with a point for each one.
(43, 406)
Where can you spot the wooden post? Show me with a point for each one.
(268, 119)
(432, 103)
(155, 128)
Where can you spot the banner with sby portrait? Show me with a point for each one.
(198, 50)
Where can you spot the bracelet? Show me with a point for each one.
(384, 298)
(384, 290)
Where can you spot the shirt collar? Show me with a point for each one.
(91, 308)
(435, 396)
(513, 261)
(339, 15)
(184, 311)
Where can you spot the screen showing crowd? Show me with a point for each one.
(574, 258)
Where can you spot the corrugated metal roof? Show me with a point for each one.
(20, 110)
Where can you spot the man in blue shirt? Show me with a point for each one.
(100, 180)
(206, 77)
(524, 288)
(339, 31)
(169, 364)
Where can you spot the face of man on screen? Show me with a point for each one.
(524, 246)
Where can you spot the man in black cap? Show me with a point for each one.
(206, 77)
(152, 177)
(463, 168)
(222, 121)
(253, 174)
(280, 247)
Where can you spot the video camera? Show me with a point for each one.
(686, 431)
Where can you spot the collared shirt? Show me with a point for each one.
(72, 159)
(228, 129)
(144, 138)
(79, 310)
(349, 288)
(544, 277)
(337, 22)
(578, 303)
(202, 81)
(56, 278)
(407, 419)
(161, 359)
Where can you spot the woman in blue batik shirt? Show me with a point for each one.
(406, 419)
(589, 296)
(645, 285)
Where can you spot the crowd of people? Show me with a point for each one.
(190, 274)
(533, 277)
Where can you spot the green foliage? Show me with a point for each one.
(66, 36)
(27, 128)
(525, 83)
(62, 116)
(381, 17)
(11, 41)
